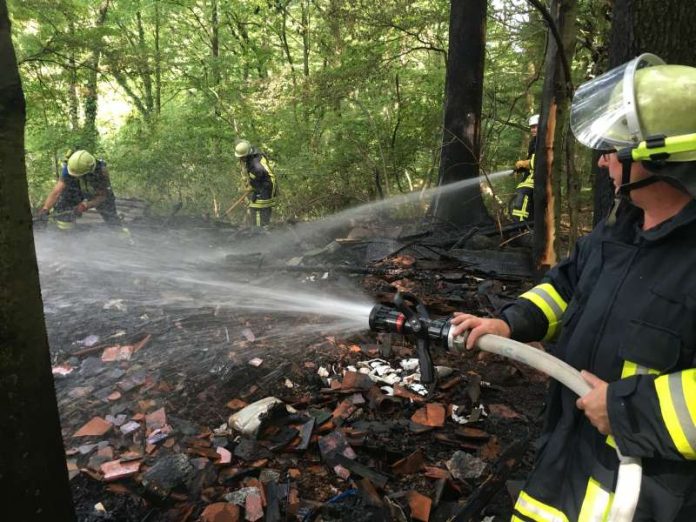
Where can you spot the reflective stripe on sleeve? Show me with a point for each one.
(549, 301)
(677, 395)
(630, 368)
(596, 504)
(536, 510)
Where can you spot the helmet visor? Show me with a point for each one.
(603, 114)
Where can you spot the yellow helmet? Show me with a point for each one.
(646, 110)
(80, 163)
(242, 149)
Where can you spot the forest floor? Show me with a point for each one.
(152, 352)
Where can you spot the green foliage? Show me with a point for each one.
(343, 95)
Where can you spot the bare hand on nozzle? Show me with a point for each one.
(477, 327)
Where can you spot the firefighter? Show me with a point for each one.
(83, 184)
(622, 308)
(522, 205)
(260, 180)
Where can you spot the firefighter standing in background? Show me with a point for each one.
(261, 182)
(83, 184)
(623, 307)
(522, 206)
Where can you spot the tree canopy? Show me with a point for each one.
(346, 97)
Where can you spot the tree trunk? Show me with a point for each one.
(662, 27)
(158, 62)
(33, 473)
(90, 134)
(461, 140)
(73, 103)
(555, 106)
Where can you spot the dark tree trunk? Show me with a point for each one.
(555, 106)
(461, 139)
(33, 473)
(661, 27)
(90, 134)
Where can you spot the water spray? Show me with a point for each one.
(409, 316)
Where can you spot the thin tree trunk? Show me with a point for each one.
(461, 140)
(158, 62)
(555, 112)
(215, 53)
(33, 473)
(90, 133)
(73, 102)
(144, 66)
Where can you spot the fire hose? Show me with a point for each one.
(409, 316)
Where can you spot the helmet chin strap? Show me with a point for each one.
(623, 195)
(626, 185)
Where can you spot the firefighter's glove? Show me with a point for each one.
(80, 209)
(522, 165)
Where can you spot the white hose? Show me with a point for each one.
(630, 472)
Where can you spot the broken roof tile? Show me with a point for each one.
(420, 506)
(433, 415)
(96, 427)
(156, 420)
(220, 512)
(116, 469)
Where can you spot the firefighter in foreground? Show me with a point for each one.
(260, 180)
(623, 307)
(522, 205)
(83, 184)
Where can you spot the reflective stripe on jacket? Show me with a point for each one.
(623, 306)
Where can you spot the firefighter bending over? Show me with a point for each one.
(260, 180)
(623, 309)
(83, 184)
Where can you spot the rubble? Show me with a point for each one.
(321, 427)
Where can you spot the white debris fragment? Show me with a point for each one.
(256, 362)
(248, 419)
(460, 416)
(88, 341)
(409, 364)
(289, 383)
(322, 372)
(419, 389)
(115, 304)
(388, 390)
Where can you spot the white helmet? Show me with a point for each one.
(534, 120)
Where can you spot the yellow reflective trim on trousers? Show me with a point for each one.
(64, 225)
(515, 518)
(536, 510)
(262, 203)
(596, 504)
(549, 301)
(676, 393)
(522, 213)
